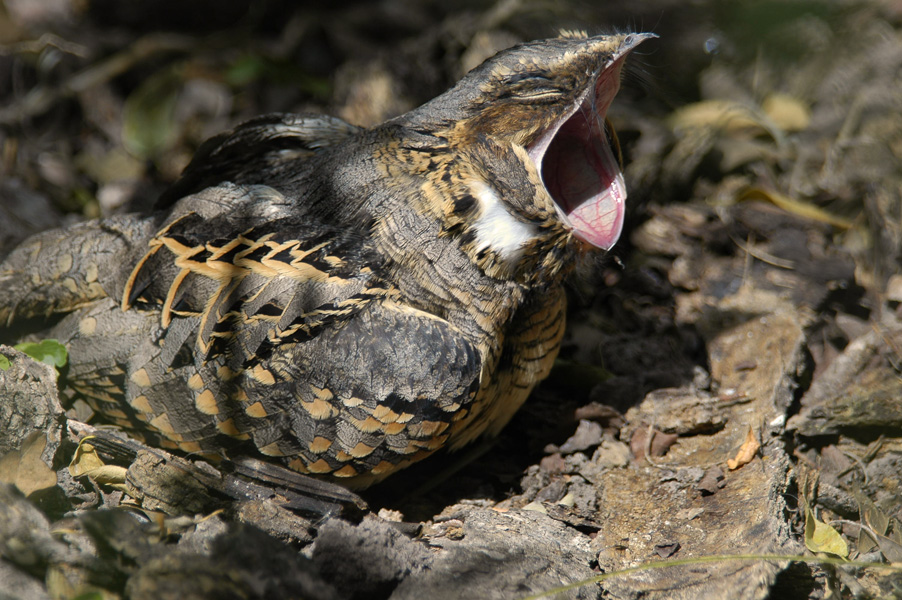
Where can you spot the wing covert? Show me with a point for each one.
(265, 144)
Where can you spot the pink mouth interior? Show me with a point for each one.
(579, 169)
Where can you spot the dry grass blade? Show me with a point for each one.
(796, 207)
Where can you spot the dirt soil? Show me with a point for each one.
(729, 384)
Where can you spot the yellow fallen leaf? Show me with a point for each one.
(778, 113)
(724, 115)
(86, 462)
(85, 459)
(746, 452)
(112, 475)
(820, 537)
(537, 507)
(787, 113)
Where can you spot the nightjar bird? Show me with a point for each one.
(344, 301)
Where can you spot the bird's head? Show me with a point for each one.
(546, 102)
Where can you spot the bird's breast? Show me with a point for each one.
(512, 368)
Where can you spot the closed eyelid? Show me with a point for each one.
(521, 77)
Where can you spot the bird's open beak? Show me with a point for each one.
(578, 165)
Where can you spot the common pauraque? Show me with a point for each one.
(345, 301)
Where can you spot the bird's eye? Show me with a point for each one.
(531, 86)
(529, 78)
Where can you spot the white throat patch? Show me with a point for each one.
(497, 229)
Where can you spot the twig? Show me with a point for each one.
(45, 41)
(858, 462)
(858, 524)
(763, 256)
(40, 98)
(649, 437)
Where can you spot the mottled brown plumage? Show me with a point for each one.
(346, 301)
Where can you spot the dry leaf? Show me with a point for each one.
(890, 549)
(86, 462)
(9, 466)
(787, 113)
(25, 469)
(874, 533)
(112, 475)
(712, 482)
(536, 506)
(667, 549)
(85, 459)
(872, 517)
(724, 115)
(746, 453)
(660, 442)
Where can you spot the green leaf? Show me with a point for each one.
(245, 70)
(820, 537)
(90, 596)
(4, 363)
(149, 126)
(251, 68)
(50, 352)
